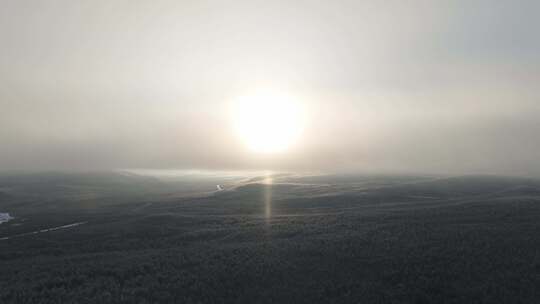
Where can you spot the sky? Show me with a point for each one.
(446, 87)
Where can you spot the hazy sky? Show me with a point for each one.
(396, 86)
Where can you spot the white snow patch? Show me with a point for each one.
(5, 217)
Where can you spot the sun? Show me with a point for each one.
(268, 122)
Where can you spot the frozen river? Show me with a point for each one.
(42, 230)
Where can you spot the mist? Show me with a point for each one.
(430, 87)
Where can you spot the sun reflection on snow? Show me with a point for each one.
(268, 181)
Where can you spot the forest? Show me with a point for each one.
(314, 239)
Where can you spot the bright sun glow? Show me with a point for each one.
(268, 123)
